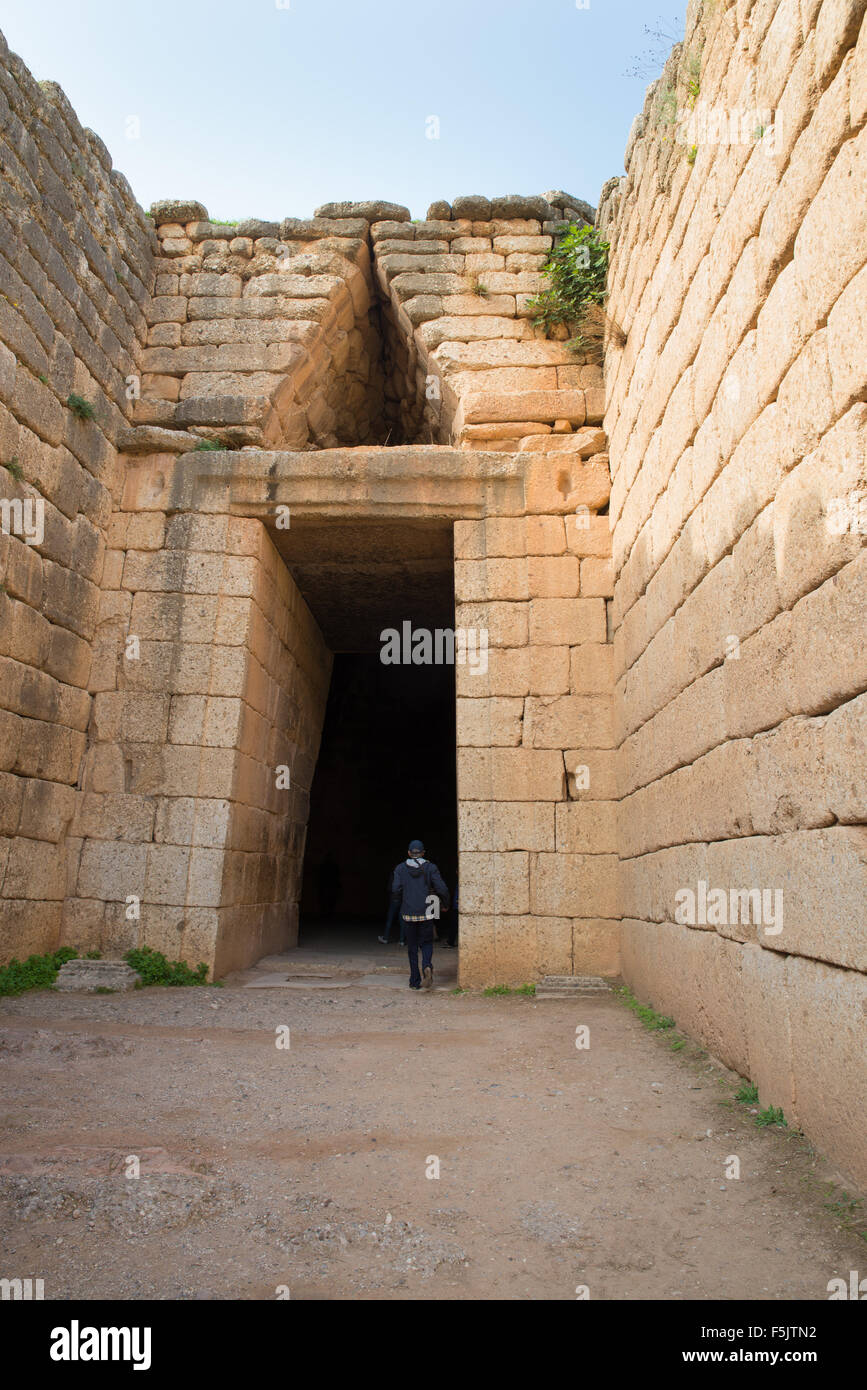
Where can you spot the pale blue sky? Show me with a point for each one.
(261, 110)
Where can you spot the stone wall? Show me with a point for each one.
(210, 693)
(738, 435)
(263, 333)
(76, 256)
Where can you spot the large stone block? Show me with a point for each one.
(569, 721)
(572, 621)
(489, 723)
(510, 774)
(502, 826)
(573, 885)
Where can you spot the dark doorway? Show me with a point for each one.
(385, 775)
(386, 769)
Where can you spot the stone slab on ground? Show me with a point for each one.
(571, 987)
(89, 976)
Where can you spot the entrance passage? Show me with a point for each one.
(386, 774)
(386, 771)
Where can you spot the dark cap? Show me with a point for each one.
(416, 847)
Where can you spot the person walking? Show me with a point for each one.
(416, 886)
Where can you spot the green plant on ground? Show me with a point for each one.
(14, 468)
(848, 1211)
(494, 991)
(156, 970)
(678, 1045)
(223, 222)
(80, 407)
(649, 1017)
(208, 446)
(36, 972)
(772, 1116)
(747, 1093)
(692, 154)
(93, 955)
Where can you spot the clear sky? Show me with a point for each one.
(267, 108)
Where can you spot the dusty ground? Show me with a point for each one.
(264, 1167)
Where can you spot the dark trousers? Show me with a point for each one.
(419, 935)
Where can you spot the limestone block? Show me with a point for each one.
(484, 406)
(113, 817)
(823, 624)
(573, 885)
(587, 827)
(471, 329)
(820, 874)
(497, 579)
(596, 948)
(506, 623)
(503, 826)
(826, 1017)
(93, 976)
(544, 535)
(206, 877)
(586, 443)
(477, 964)
(573, 621)
(694, 977)
(506, 243)
(847, 326)
(166, 309)
(844, 738)
(488, 723)
(597, 577)
(553, 576)
(494, 881)
(510, 774)
(561, 483)
(809, 510)
(112, 870)
(592, 669)
(34, 869)
(34, 927)
(457, 357)
(765, 986)
(569, 721)
(553, 947)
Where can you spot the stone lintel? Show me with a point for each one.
(419, 481)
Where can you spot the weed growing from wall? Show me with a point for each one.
(577, 268)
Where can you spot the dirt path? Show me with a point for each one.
(306, 1167)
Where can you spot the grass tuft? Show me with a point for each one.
(80, 407)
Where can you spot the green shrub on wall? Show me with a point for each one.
(577, 268)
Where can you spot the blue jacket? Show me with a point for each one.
(414, 882)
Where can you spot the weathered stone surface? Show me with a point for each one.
(96, 976)
(515, 205)
(175, 211)
(473, 207)
(373, 211)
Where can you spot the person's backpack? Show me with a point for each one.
(431, 892)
